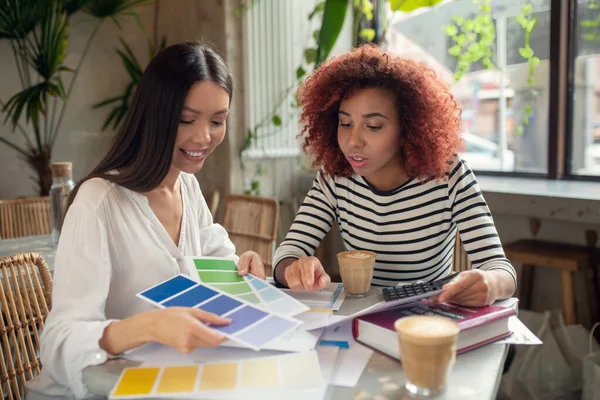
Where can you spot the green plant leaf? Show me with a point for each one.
(527, 8)
(107, 102)
(276, 120)
(367, 34)
(334, 14)
(522, 20)
(526, 52)
(588, 24)
(49, 49)
(591, 36)
(132, 67)
(111, 8)
(468, 26)
(531, 25)
(411, 5)
(528, 110)
(316, 34)
(459, 19)
(534, 61)
(367, 9)
(461, 39)
(451, 30)
(300, 72)
(319, 7)
(19, 17)
(310, 55)
(72, 6)
(454, 51)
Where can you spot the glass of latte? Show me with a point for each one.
(427, 351)
(356, 270)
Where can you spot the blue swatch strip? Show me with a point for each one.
(192, 297)
(220, 305)
(168, 288)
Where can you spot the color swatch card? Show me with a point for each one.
(251, 326)
(223, 274)
(246, 378)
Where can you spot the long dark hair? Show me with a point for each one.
(143, 149)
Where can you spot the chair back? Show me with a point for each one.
(25, 217)
(25, 293)
(251, 222)
(460, 258)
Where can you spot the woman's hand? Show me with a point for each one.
(250, 262)
(471, 288)
(181, 328)
(306, 274)
(184, 328)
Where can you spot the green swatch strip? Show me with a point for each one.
(250, 297)
(220, 277)
(235, 288)
(221, 265)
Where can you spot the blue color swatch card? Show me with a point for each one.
(251, 325)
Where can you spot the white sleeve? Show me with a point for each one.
(214, 238)
(82, 275)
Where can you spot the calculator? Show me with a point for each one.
(416, 291)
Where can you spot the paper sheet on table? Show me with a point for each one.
(156, 354)
(327, 361)
(351, 362)
(521, 334)
(330, 297)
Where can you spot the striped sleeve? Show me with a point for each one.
(475, 225)
(312, 222)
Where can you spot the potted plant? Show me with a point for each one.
(38, 33)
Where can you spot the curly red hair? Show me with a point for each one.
(429, 115)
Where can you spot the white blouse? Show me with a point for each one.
(113, 246)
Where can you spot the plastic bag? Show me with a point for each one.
(591, 373)
(553, 370)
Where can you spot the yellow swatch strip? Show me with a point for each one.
(178, 379)
(260, 373)
(294, 371)
(219, 376)
(137, 381)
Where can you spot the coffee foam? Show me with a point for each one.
(426, 328)
(356, 254)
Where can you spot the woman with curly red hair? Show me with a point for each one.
(386, 133)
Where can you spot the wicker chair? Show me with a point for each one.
(251, 222)
(460, 258)
(25, 217)
(25, 293)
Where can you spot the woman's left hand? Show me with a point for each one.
(250, 262)
(470, 288)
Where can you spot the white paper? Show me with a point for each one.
(327, 362)
(330, 297)
(351, 362)
(156, 354)
(314, 319)
(520, 334)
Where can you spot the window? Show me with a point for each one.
(585, 116)
(505, 101)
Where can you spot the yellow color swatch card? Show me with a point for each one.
(250, 377)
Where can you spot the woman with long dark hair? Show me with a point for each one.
(132, 220)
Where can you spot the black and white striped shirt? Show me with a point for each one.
(411, 228)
